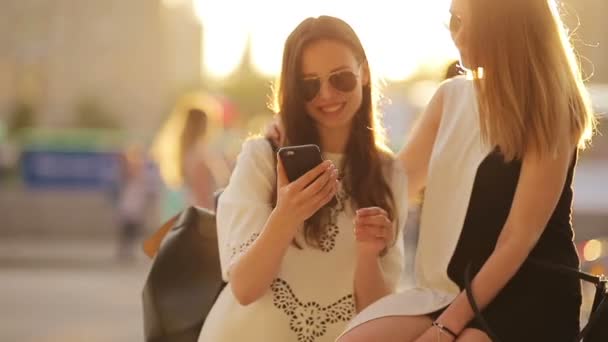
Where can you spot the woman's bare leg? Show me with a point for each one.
(473, 335)
(389, 329)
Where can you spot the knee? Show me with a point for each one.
(357, 334)
(473, 335)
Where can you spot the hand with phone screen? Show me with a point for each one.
(305, 183)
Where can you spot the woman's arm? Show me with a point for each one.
(370, 282)
(253, 272)
(538, 190)
(374, 233)
(416, 154)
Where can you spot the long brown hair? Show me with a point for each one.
(531, 91)
(366, 153)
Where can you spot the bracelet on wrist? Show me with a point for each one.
(445, 329)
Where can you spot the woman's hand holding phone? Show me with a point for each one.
(374, 231)
(299, 200)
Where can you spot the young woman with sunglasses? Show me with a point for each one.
(300, 266)
(496, 153)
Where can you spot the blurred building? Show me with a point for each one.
(121, 59)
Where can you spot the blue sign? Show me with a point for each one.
(70, 169)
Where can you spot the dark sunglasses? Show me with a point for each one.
(455, 23)
(344, 81)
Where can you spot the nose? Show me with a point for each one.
(326, 91)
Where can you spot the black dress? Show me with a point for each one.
(537, 304)
(468, 196)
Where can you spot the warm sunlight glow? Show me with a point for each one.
(225, 32)
(398, 39)
(592, 250)
(221, 58)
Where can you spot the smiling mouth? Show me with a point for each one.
(332, 109)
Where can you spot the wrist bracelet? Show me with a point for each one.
(444, 329)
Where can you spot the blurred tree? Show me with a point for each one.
(21, 116)
(249, 90)
(91, 114)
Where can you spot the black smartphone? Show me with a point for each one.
(297, 160)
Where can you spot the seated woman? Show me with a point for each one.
(496, 153)
(300, 264)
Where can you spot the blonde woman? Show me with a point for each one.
(496, 153)
(190, 169)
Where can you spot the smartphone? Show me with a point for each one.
(297, 160)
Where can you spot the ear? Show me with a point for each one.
(365, 76)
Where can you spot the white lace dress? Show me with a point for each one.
(311, 299)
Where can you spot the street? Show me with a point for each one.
(90, 300)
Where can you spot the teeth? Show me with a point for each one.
(331, 109)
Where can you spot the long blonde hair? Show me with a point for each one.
(531, 93)
(175, 139)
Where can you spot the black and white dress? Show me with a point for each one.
(468, 196)
(311, 299)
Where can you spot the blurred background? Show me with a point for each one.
(94, 96)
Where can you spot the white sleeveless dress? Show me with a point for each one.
(455, 157)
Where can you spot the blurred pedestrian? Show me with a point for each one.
(191, 170)
(134, 200)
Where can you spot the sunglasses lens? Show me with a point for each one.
(344, 81)
(310, 88)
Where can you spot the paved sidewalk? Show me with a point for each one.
(33, 252)
(69, 291)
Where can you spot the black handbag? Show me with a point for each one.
(184, 280)
(596, 329)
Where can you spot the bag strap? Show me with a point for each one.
(152, 244)
(599, 308)
(471, 298)
(600, 303)
(275, 149)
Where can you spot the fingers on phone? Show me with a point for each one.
(310, 176)
(322, 182)
(321, 191)
(329, 191)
